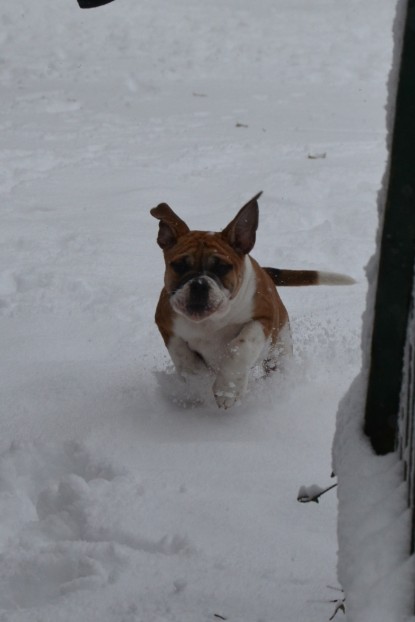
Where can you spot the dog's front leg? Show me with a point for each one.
(241, 354)
(185, 360)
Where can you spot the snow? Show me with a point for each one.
(374, 522)
(124, 495)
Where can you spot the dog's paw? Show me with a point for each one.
(225, 401)
(228, 391)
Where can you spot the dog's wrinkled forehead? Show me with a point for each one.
(199, 253)
(202, 248)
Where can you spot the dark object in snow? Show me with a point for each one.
(241, 125)
(396, 266)
(216, 615)
(91, 4)
(339, 603)
(317, 156)
(338, 606)
(307, 494)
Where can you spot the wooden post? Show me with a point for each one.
(396, 268)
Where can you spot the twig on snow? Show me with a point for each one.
(306, 494)
(339, 606)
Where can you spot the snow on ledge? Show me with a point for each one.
(374, 522)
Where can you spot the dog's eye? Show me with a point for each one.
(221, 268)
(181, 266)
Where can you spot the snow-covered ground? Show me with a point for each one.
(121, 500)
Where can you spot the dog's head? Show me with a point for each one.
(205, 270)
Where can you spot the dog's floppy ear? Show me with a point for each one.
(241, 231)
(171, 227)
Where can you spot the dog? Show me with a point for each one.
(220, 310)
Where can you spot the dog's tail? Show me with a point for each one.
(296, 278)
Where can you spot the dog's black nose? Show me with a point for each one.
(198, 294)
(199, 286)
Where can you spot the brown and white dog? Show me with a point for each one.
(219, 309)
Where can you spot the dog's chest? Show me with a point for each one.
(209, 340)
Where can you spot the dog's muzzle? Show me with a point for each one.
(198, 295)
(198, 298)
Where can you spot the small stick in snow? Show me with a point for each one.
(216, 615)
(335, 589)
(306, 494)
(317, 156)
(338, 602)
(339, 606)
